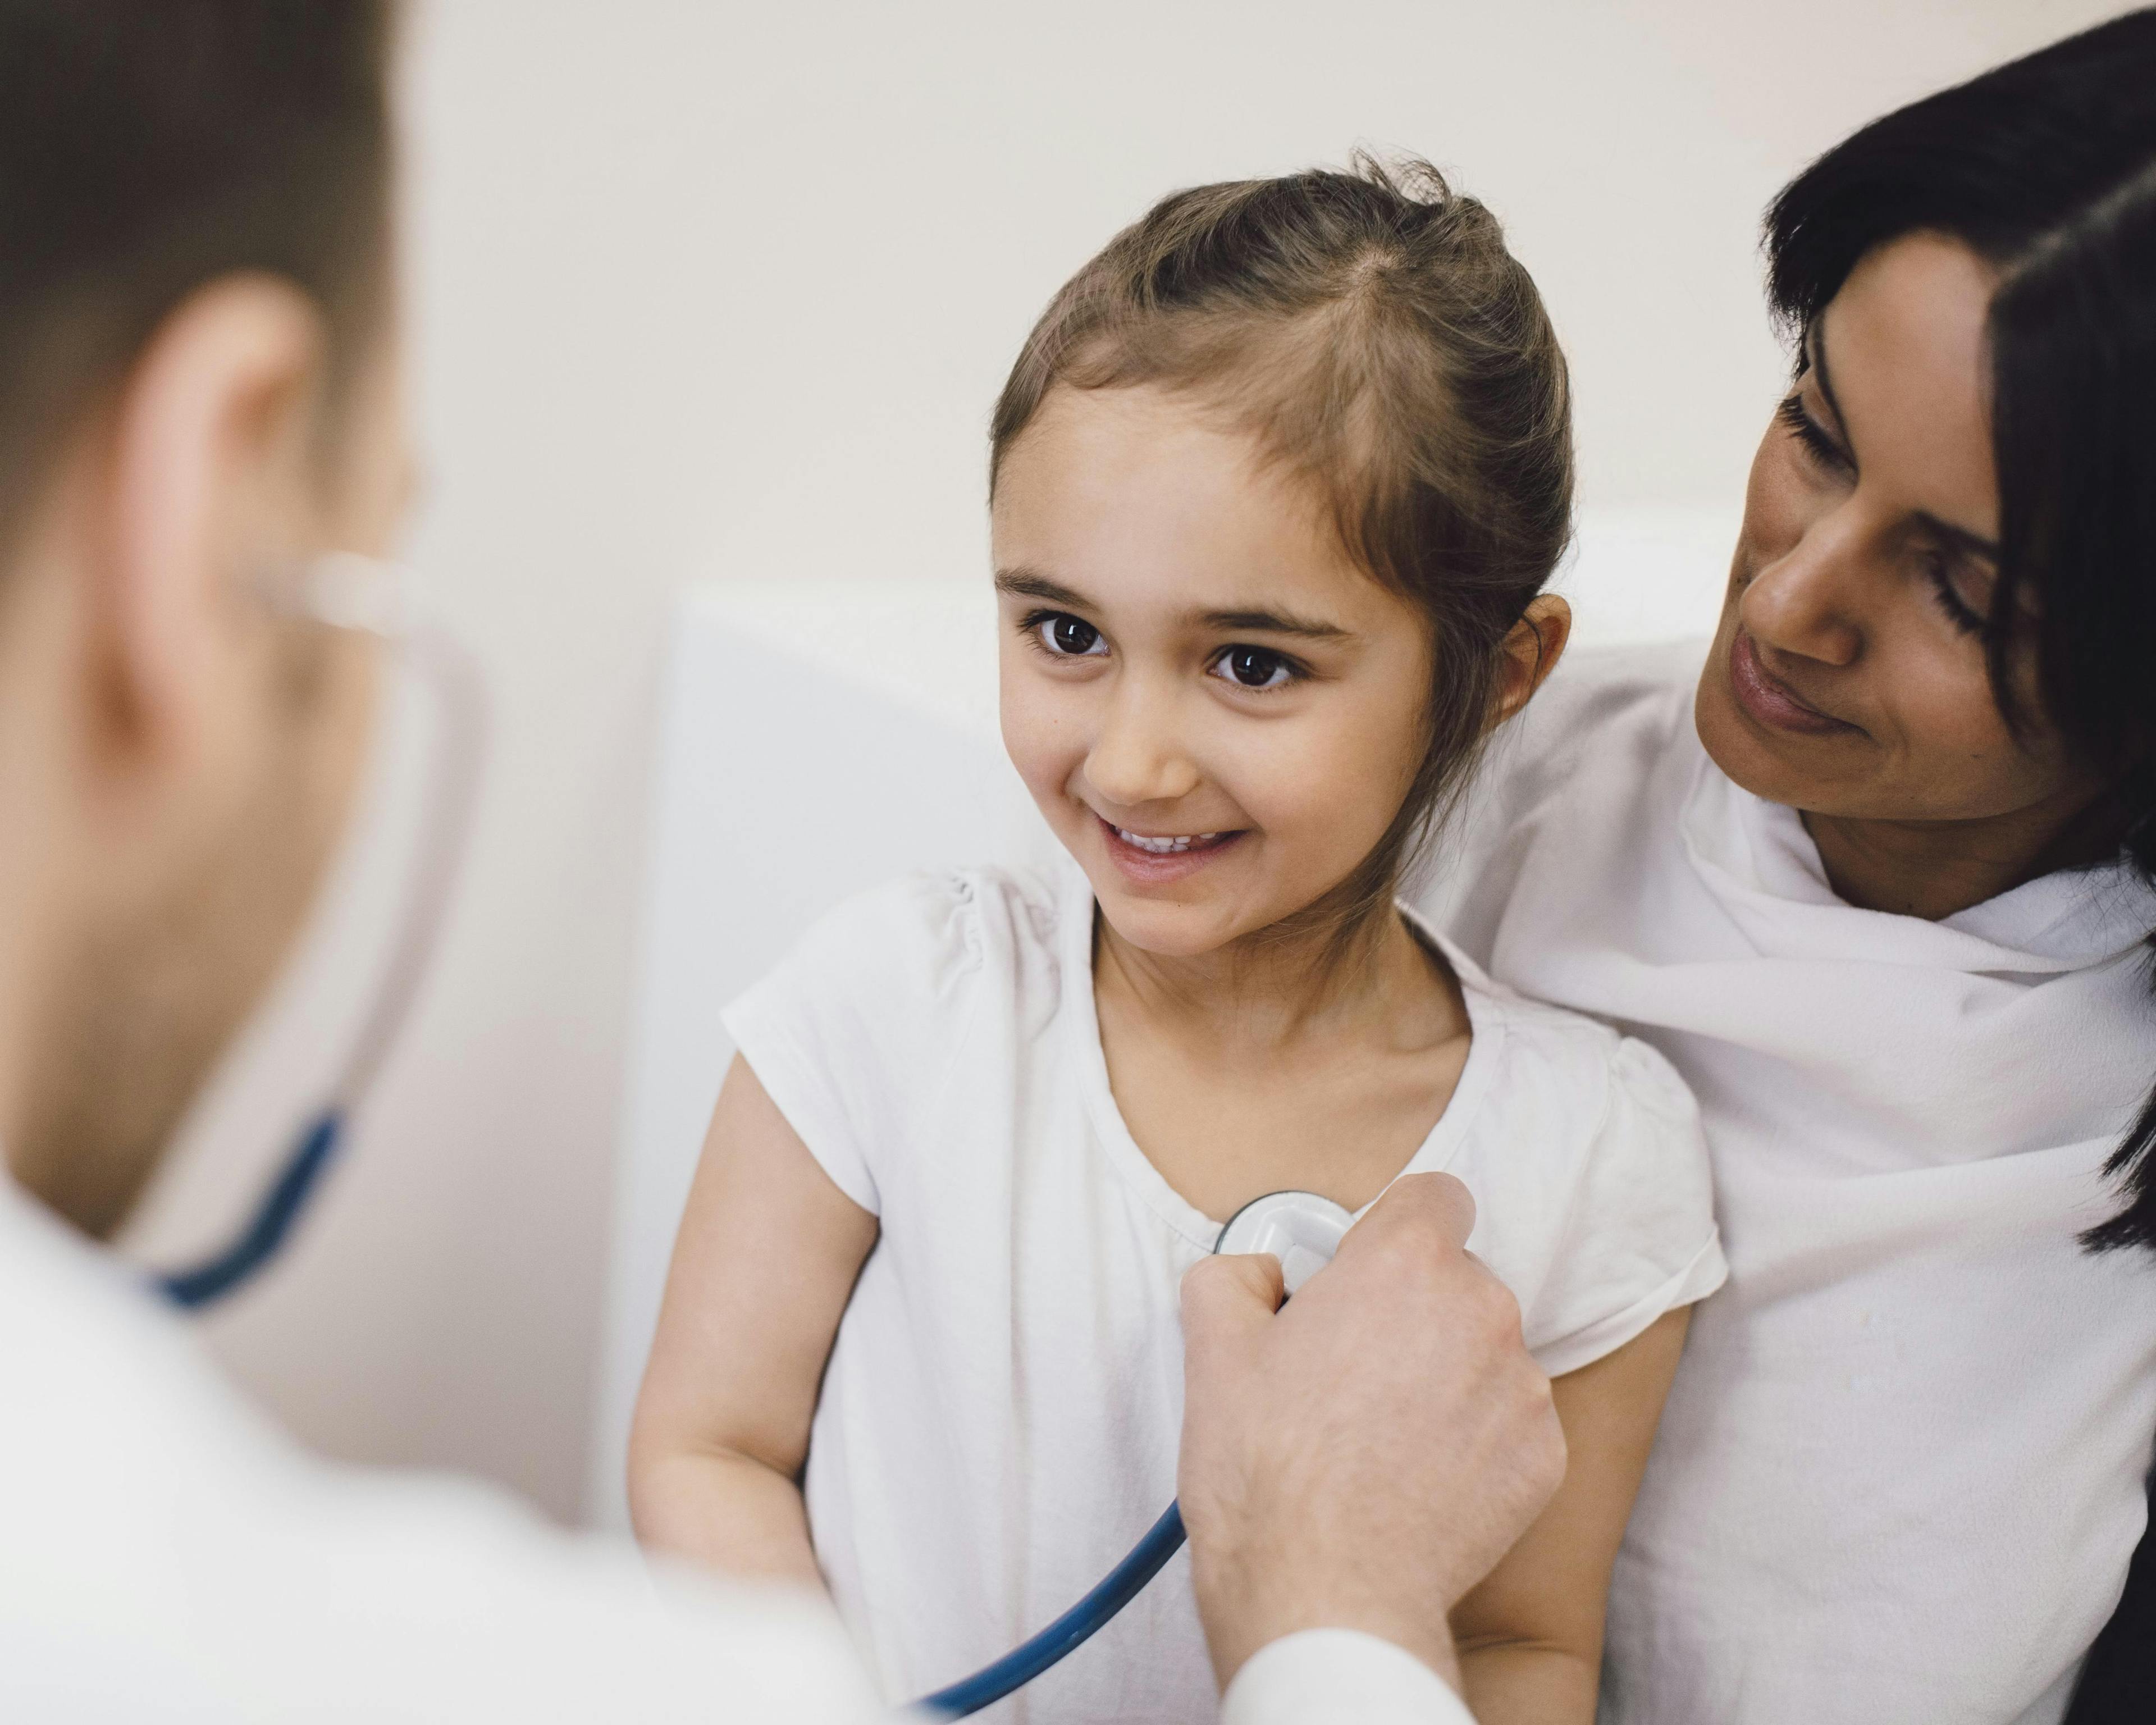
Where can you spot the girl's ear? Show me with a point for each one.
(1531, 651)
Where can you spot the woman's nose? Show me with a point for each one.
(1806, 600)
(1136, 757)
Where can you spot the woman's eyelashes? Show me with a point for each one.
(1822, 449)
(1940, 570)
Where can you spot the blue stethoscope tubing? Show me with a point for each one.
(1293, 1225)
(452, 795)
(1031, 1657)
(267, 1229)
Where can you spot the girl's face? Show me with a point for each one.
(1219, 712)
(1848, 677)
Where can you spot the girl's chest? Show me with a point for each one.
(1343, 1128)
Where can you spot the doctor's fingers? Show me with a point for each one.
(1404, 1278)
(1421, 1226)
(1436, 1208)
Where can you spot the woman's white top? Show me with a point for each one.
(1900, 1475)
(166, 1558)
(999, 1419)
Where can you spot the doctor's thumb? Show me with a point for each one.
(1228, 1296)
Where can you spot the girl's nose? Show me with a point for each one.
(1136, 756)
(1806, 602)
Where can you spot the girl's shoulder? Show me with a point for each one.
(922, 941)
(1590, 1172)
(1592, 1090)
(893, 1004)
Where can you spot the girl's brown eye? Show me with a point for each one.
(1253, 668)
(1069, 637)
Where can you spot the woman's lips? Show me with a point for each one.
(1770, 701)
(1154, 859)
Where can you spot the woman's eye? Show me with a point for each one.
(1253, 668)
(1816, 444)
(1964, 609)
(1069, 637)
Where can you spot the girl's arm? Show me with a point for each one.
(765, 1262)
(1530, 1636)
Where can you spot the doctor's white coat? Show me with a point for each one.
(167, 1556)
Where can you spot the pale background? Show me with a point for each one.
(709, 292)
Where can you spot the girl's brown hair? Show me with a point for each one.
(1370, 330)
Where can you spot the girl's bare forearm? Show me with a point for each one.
(1526, 1683)
(726, 1512)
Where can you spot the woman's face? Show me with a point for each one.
(1848, 677)
(1216, 709)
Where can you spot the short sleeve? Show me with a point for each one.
(844, 1031)
(1639, 1238)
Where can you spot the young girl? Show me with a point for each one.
(1276, 483)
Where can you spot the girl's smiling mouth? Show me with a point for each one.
(1160, 857)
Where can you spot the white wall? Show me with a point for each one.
(705, 290)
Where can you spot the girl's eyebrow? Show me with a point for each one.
(1273, 623)
(1025, 584)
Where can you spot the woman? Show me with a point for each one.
(1878, 878)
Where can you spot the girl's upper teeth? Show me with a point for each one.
(1165, 844)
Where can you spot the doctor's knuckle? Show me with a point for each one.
(1486, 1309)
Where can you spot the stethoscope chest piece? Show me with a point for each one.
(1300, 1229)
(1303, 1231)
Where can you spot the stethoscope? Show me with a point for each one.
(345, 591)
(1303, 1231)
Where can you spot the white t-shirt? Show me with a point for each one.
(999, 1420)
(166, 1558)
(1900, 1475)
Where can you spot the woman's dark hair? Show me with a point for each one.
(149, 146)
(2047, 169)
(1369, 330)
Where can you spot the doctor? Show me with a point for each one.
(198, 399)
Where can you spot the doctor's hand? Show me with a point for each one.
(1363, 1457)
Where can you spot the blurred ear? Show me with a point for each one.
(209, 476)
(1531, 651)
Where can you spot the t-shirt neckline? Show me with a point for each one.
(1112, 1134)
